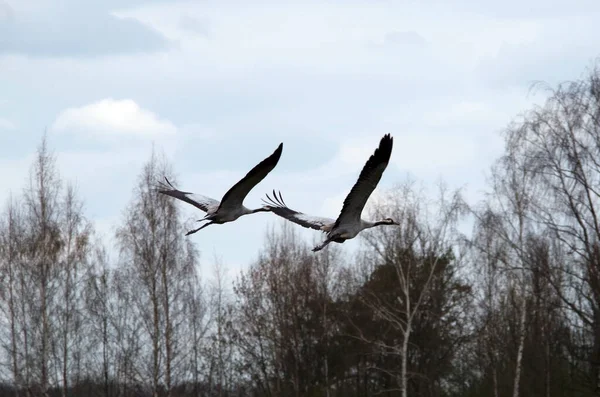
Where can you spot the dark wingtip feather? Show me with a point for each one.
(281, 198)
(167, 188)
(276, 200)
(259, 171)
(269, 202)
(277, 153)
(384, 151)
(381, 156)
(161, 187)
(273, 159)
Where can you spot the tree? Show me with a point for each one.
(508, 214)
(413, 291)
(71, 268)
(43, 244)
(98, 307)
(558, 144)
(198, 323)
(11, 262)
(281, 327)
(158, 264)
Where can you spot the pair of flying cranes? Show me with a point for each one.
(346, 226)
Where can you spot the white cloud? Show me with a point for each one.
(462, 112)
(407, 40)
(413, 151)
(333, 205)
(110, 117)
(6, 124)
(328, 79)
(199, 131)
(6, 12)
(342, 38)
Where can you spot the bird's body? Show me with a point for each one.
(230, 207)
(221, 217)
(349, 223)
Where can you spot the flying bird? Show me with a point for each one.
(231, 206)
(349, 222)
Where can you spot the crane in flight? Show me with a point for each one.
(231, 206)
(349, 223)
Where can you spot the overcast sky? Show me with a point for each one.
(217, 85)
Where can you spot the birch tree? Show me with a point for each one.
(416, 253)
(558, 144)
(157, 262)
(72, 266)
(11, 262)
(43, 244)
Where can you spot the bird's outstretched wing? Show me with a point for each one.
(367, 181)
(197, 200)
(278, 206)
(236, 195)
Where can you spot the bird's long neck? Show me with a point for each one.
(261, 209)
(369, 224)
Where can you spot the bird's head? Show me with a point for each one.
(389, 221)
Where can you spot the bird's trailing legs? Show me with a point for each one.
(322, 245)
(200, 228)
(204, 219)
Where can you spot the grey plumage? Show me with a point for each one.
(231, 205)
(349, 222)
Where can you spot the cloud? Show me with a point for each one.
(111, 117)
(74, 30)
(463, 113)
(405, 39)
(14, 171)
(419, 151)
(332, 205)
(198, 26)
(557, 49)
(517, 9)
(243, 36)
(6, 124)
(6, 12)
(328, 79)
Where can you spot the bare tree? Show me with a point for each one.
(44, 244)
(511, 203)
(152, 247)
(488, 254)
(127, 327)
(220, 352)
(11, 261)
(282, 327)
(73, 260)
(418, 251)
(98, 307)
(199, 321)
(558, 145)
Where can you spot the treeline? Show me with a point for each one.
(510, 309)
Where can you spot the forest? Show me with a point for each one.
(511, 308)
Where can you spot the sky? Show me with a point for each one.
(217, 85)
